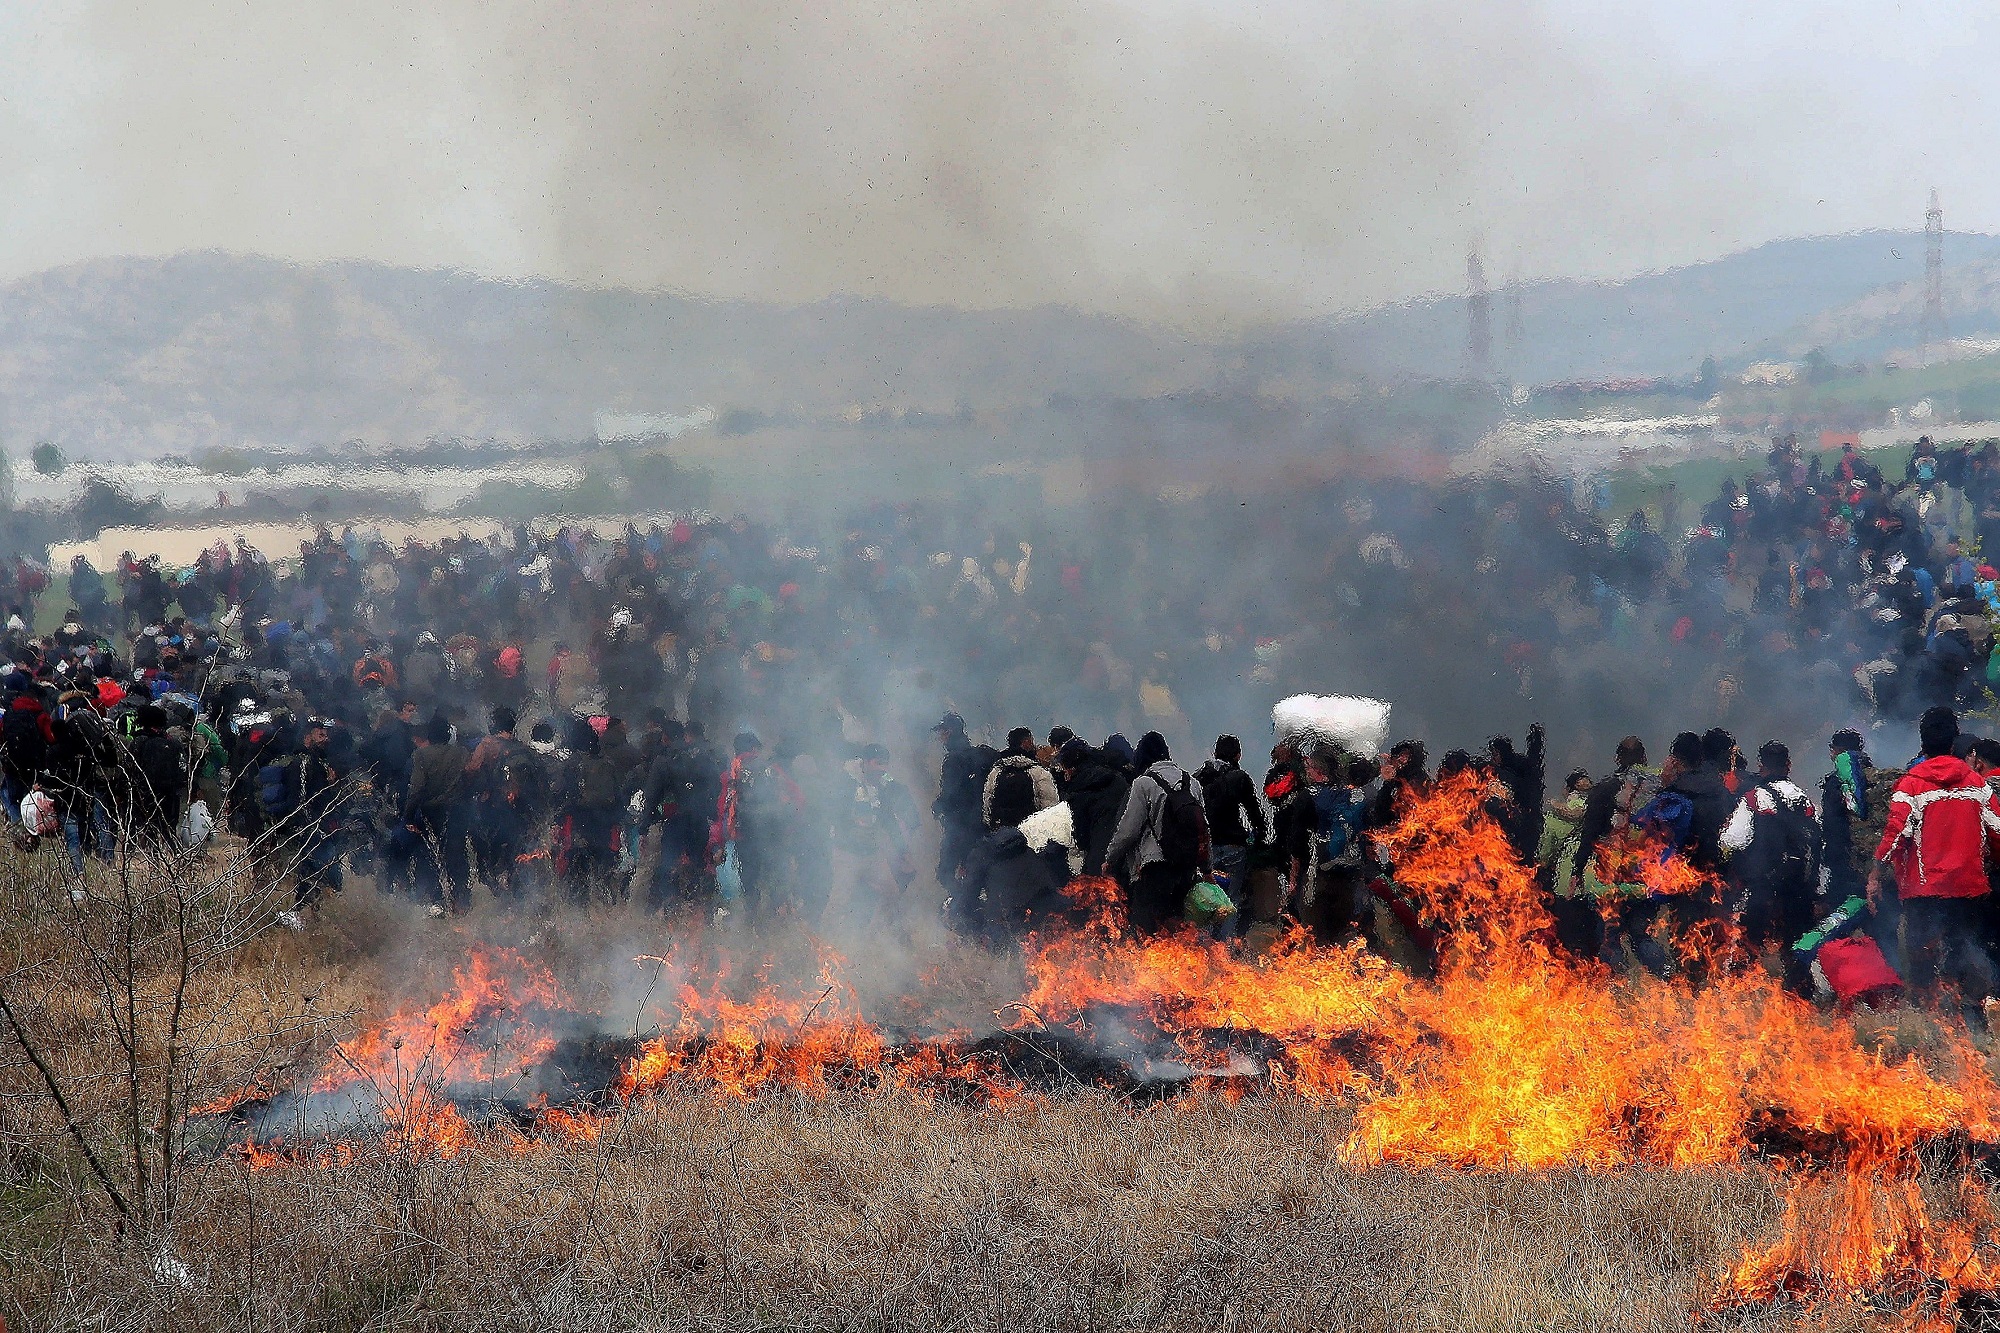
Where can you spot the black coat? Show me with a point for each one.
(388, 756)
(1228, 796)
(1096, 799)
(1599, 807)
(1713, 804)
(1019, 882)
(1525, 776)
(25, 739)
(1294, 818)
(962, 787)
(160, 780)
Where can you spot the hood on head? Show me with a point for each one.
(1093, 777)
(1946, 771)
(1703, 781)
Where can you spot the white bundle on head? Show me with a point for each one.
(1359, 726)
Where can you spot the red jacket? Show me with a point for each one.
(1943, 820)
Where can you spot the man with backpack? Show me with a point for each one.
(1684, 818)
(1162, 842)
(159, 776)
(1525, 777)
(1611, 838)
(27, 737)
(1698, 770)
(81, 764)
(682, 785)
(321, 813)
(1943, 823)
(1341, 902)
(1235, 818)
(871, 836)
(1095, 793)
(510, 794)
(1853, 803)
(1774, 843)
(591, 800)
(757, 802)
(1017, 786)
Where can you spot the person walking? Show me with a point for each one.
(433, 811)
(1944, 824)
(1162, 841)
(1235, 818)
(1017, 786)
(1774, 843)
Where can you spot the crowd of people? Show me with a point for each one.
(1701, 862)
(716, 714)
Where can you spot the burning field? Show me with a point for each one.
(1510, 1142)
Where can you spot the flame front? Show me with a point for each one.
(1510, 1057)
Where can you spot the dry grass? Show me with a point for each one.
(887, 1212)
(880, 1213)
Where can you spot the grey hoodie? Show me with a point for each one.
(1136, 844)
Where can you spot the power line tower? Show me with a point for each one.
(1933, 327)
(1479, 315)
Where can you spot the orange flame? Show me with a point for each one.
(1511, 1057)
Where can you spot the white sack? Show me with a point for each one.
(1359, 726)
(196, 824)
(38, 814)
(1053, 825)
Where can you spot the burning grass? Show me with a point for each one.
(1162, 1133)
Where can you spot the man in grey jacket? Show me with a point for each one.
(1156, 883)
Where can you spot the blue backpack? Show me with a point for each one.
(274, 788)
(1669, 816)
(1339, 820)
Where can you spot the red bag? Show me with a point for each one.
(1855, 969)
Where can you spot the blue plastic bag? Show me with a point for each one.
(729, 875)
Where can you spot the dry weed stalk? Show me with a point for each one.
(96, 985)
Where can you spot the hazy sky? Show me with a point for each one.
(1179, 159)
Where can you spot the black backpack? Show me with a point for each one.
(695, 781)
(597, 784)
(1786, 845)
(1182, 826)
(515, 780)
(21, 734)
(1013, 795)
(91, 746)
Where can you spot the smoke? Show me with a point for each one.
(1186, 161)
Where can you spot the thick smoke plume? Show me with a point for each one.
(1184, 161)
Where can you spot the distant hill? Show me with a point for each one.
(1889, 319)
(1736, 309)
(130, 358)
(121, 358)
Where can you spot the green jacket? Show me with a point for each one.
(208, 748)
(1556, 852)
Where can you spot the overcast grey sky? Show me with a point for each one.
(1191, 160)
